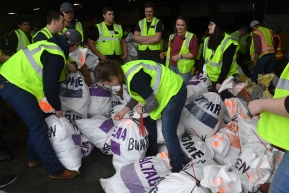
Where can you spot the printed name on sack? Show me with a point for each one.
(240, 165)
(215, 108)
(190, 146)
(119, 133)
(149, 171)
(72, 117)
(70, 80)
(138, 145)
(156, 189)
(51, 131)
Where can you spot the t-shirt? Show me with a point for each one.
(177, 45)
(149, 53)
(94, 35)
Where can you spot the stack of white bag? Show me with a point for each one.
(197, 86)
(196, 149)
(74, 95)
(161, 139)
(128, 143)
(234, 108)
(101, 101)
(98, 130)
(139, 176)
(221, 179)
(65, 141)
(203, 116)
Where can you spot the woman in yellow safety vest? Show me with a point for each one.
(182, 49)
(220, 52)
(162, 92)
(273, 127)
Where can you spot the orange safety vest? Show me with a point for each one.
(279, 48)
(266, 40)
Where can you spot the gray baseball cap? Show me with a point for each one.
(254, 22)
(73, 37)
(64, 7)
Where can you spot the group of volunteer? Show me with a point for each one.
(209, 123)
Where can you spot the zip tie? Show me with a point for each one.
(260, 140)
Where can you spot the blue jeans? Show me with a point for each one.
(265, 63)
(170, 120)
(28, 109)
(186, 76)
(280, 182)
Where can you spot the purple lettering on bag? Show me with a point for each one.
(106, 126)
(76, 139)
(145, 161)
(131, 179)
(115, 147)
(98, 91)
(194, 82)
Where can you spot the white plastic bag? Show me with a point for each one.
(137, 177)
(91, 60)
(220, 143)
(71, 116)
(127, 143)
(197, 86)
(86, 146)
(74, 95)
(161, 139)
(79, 56)
(195, 149)
(98, 130)
(221, 179)
(204, 116)
(101, 101)
(65, 141)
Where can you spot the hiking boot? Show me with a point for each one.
(6, 180)
(34, 163)
(65, 175)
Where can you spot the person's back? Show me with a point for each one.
(55, 24)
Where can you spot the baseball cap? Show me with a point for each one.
(245, 28)
(73, 37)
(66, 7)
(277, 28)
(254, 22)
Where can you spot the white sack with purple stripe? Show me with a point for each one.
(74, 95)
(127, 143)
(203, 116)
(98, 131)
(101, 101)
(137, 177)
(65, 140)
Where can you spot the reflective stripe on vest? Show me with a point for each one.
(22, 39)
(266, 41)
(109, 44)
(184, 65)
(164, 83)
(149, 32)
(274, 128)
(28, 69)
(214, 59)
(45, 31)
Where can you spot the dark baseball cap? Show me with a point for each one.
(64, 7)
(73, 37)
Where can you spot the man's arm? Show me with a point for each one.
(3, 57)
(154, 39)
(140, 39)
(91, 45)
(12, 42)
(124, 49)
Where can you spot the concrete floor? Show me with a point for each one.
(37, 180)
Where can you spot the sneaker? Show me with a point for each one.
(6, 180)
(34, 163)
(65, 175)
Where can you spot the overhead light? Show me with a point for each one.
(75, 4)
(35, 9)
(11, 13)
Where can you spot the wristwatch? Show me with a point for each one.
(182, 57)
